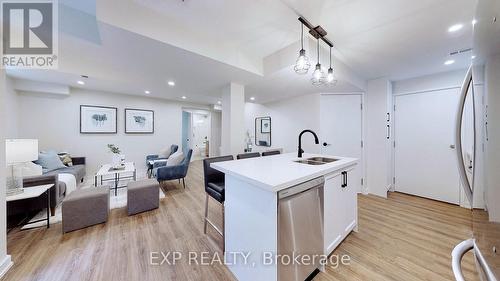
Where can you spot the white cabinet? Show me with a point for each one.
(350, 200)
(340, 207)
(332, 204)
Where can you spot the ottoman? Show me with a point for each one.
(142, 195)
(85, 207)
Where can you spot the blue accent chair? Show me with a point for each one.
(177, 172)
(155, 157)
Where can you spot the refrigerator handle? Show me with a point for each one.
(458, 135)
(456, 257)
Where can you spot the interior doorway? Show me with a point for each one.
(424, 156)
(196, 132)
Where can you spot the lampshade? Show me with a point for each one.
(21, 150)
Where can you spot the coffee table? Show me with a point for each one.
(106, 173)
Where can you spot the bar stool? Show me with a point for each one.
(271, 152)
(214, 187)
(247, 155)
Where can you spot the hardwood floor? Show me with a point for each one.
(400, 238)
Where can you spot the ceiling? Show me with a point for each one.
(125, 62)
(203, 45)
(399, 39)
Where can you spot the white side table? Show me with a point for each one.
(33, 192)
(117, 175)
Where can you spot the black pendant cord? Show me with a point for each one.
(330, 57)
(302, 37)
(318, 50)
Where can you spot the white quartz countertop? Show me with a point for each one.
(277, 172)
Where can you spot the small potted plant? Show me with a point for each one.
(118, 158)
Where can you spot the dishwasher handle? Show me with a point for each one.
(301, 188)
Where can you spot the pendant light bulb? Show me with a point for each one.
(302, 64)
(330, 78)
(318, 74)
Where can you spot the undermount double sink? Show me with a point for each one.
(316, 160)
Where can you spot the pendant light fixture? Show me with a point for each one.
(302, 64)
(318, 74)
(330, 79)
(320, 77)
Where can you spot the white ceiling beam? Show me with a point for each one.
(30, 86)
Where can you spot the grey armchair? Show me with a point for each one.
(174, 172)
(155, 157)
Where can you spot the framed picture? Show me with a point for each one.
(98, 119)
(139, 121)
(265, 125)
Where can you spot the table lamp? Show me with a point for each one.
(18, 152)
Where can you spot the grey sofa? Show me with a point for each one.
(57, 192)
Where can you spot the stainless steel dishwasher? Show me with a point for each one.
(300, 229)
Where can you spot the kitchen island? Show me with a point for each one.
(253, 188)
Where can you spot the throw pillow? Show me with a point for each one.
(175, 159)
(164, 153)
(49, 161)
(66, 159)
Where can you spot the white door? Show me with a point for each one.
(341, 129)
(425, 162)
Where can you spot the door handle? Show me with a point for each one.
(452, 146)
(456, 257)
(467, 83)
(327, 144)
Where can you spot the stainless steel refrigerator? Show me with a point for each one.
(480, 176)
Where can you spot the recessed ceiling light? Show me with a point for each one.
(448, 62)
(80, 82)
(252, 98)
(473, 57)
(474, 21)
(147, 92)
(219, 102)
(171, 83)
(455, 27)
(183, 97)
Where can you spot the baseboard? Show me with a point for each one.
(5, 265)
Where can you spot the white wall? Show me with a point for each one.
(427, 83)
(5, 261)
(233, 116)
(288, 118)
(11, 109)
(492, 159)
(377, 145)
(216, 130)
(55, 123)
